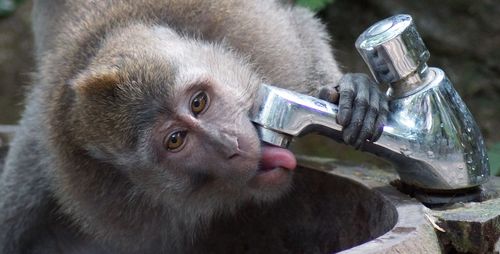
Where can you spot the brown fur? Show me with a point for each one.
(110, 75)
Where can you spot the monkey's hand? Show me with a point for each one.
(362, 108)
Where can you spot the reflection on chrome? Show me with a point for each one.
(431, 137)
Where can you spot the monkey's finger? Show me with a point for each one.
(381, 119)
(329, 93)
(347, 95)
(368, 128)
(351, 133)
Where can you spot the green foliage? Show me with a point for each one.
(315, 5)
(7, 7)
(494, 155)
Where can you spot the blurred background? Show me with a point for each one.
(462, 36)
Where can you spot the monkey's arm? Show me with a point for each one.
(24, 198)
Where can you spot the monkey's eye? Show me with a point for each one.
(199, 103)
(174, 141)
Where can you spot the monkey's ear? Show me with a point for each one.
(98, 80)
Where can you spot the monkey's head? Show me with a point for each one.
(171, 115)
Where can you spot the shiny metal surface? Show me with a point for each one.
(280, 113)
(395, 54)
(272, 137)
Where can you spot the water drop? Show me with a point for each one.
(430, 154)
(405, 151)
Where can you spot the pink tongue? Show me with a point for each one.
(273, 157)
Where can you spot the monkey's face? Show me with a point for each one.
(174, 119)
(208, 143)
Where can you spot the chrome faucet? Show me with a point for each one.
(430, 137)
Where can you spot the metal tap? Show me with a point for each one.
(430, 137)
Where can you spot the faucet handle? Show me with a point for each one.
(393, 49)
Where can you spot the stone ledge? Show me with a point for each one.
(472, 227)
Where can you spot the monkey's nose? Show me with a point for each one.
(232, 150)
(233, 156)
(228, 145)
(236, 153)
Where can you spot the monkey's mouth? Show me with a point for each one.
(276, 157)
(275, 167)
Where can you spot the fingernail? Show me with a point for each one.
(347, 139)
(341, 118)
(358, 143)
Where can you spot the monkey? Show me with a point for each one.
(136, 136)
